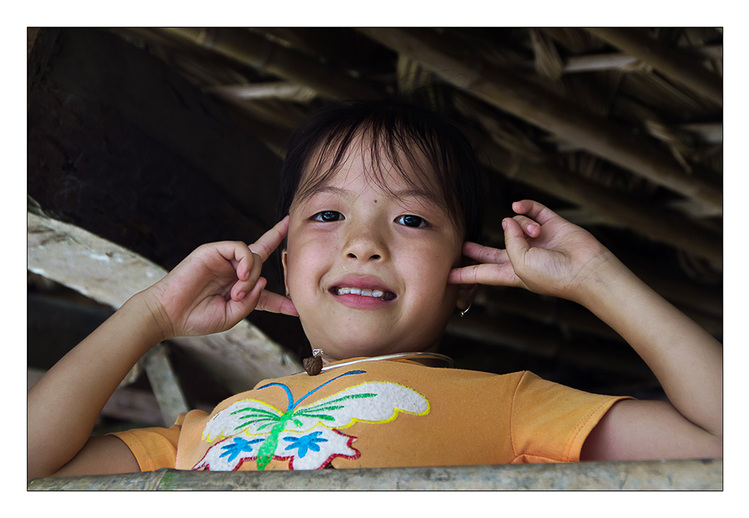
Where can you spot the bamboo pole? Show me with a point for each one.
(623, 62)
(671, 62)
(285, 90)
(524, 99)
(258, 52)
(694, 474)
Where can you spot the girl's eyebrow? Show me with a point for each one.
(398, 195)
(329, 189)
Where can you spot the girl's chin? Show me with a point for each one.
(369, 338)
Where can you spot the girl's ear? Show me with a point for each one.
(283, 263)
(466, 294)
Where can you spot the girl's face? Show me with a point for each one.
(367, 267)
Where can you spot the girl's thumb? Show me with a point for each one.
(515, 241)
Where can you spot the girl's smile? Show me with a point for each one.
(362, 291)
(367, 266)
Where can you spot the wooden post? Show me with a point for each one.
(165, 384)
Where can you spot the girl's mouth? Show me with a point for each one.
(362, 292)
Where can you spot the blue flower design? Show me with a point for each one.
(305, 443)
(238, 446)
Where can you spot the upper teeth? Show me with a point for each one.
(359, 291)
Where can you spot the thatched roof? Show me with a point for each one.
(159, 139)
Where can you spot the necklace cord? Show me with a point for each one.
(416, 356)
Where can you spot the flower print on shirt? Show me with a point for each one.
(305, 443)
(308, 436)
(238, 446)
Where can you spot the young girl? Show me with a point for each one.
(381, 214)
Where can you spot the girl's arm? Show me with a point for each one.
(210, 291)
(686, 360)
(548, 255)
(63, 406)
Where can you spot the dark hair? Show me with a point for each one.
(395, 129)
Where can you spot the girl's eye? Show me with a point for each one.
(409, 220)
(328, 216)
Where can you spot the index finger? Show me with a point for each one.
(269, 241)
(487, 274)
(484, 254)
(275, 303)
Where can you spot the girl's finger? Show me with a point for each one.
(239, 307)
(488, 274)
(269, 241)
(534, 210)
(462, 275)
(515, 241)
(235, 252)
(484, 254)
(275, 303)
(248, 273)
(530, 227)
(245, 265)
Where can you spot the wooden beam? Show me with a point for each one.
(706, 132)
(285, 90)
(674, 63)
(658, 224)
(259, 52)
(165, 384)
(623, 62)
(110, 274)
(509, 92)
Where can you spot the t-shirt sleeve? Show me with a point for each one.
(550, 422)
(153, 448)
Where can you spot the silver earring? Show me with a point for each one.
(463, 313)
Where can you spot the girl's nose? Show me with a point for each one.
(365, 244)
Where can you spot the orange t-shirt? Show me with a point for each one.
(379, 414)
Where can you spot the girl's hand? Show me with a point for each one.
(544, 253)
(216, 286)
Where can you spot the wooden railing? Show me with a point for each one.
(640, 475)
